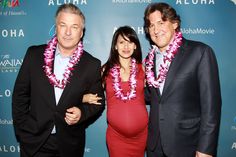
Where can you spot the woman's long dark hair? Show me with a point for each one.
(125, 32)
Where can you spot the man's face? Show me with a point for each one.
(69, 31)
(161, 32)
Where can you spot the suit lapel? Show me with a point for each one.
(155, 73)
(68, 86)
(157, 90)
(173, 70)
(75, 74)
(47, 88)
(50, 95)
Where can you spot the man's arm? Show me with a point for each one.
(91, 110)
(210, 101)
(21, 95)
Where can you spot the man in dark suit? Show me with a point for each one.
(48, 113)
(183, 88)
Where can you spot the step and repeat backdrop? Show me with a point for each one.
(24, 23)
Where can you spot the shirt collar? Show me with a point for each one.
(157, 50)
(58, 53)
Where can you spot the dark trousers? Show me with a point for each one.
(157, 152)
(49, 149)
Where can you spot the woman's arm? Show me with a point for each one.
(91, 99)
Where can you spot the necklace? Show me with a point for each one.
(164, 67)
(115, 73)
(49, 58)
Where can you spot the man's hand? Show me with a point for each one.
(199, 154)
(73, 115)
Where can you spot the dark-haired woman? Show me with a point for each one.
(123, 78)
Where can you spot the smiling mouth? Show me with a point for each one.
(126, 52)
(159, 35)
(65, 38)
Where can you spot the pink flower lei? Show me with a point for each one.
(164, 67)
(115, 73)
(49, 57)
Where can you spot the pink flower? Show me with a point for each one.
(115, 73)
(49, 58)
(164, 67)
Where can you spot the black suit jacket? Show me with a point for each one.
(186, 116)
(34, 107)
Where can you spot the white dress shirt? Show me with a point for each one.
(60, 64)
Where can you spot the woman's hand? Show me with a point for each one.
(91, 99)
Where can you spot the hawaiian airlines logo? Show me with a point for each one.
(8, 64)
(8, 8)
(234, 1)
(6, 121)
(9, 3)
(60, 2)
(195, 2)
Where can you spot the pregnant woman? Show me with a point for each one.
(123, 78)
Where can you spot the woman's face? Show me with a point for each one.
(125, 47)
